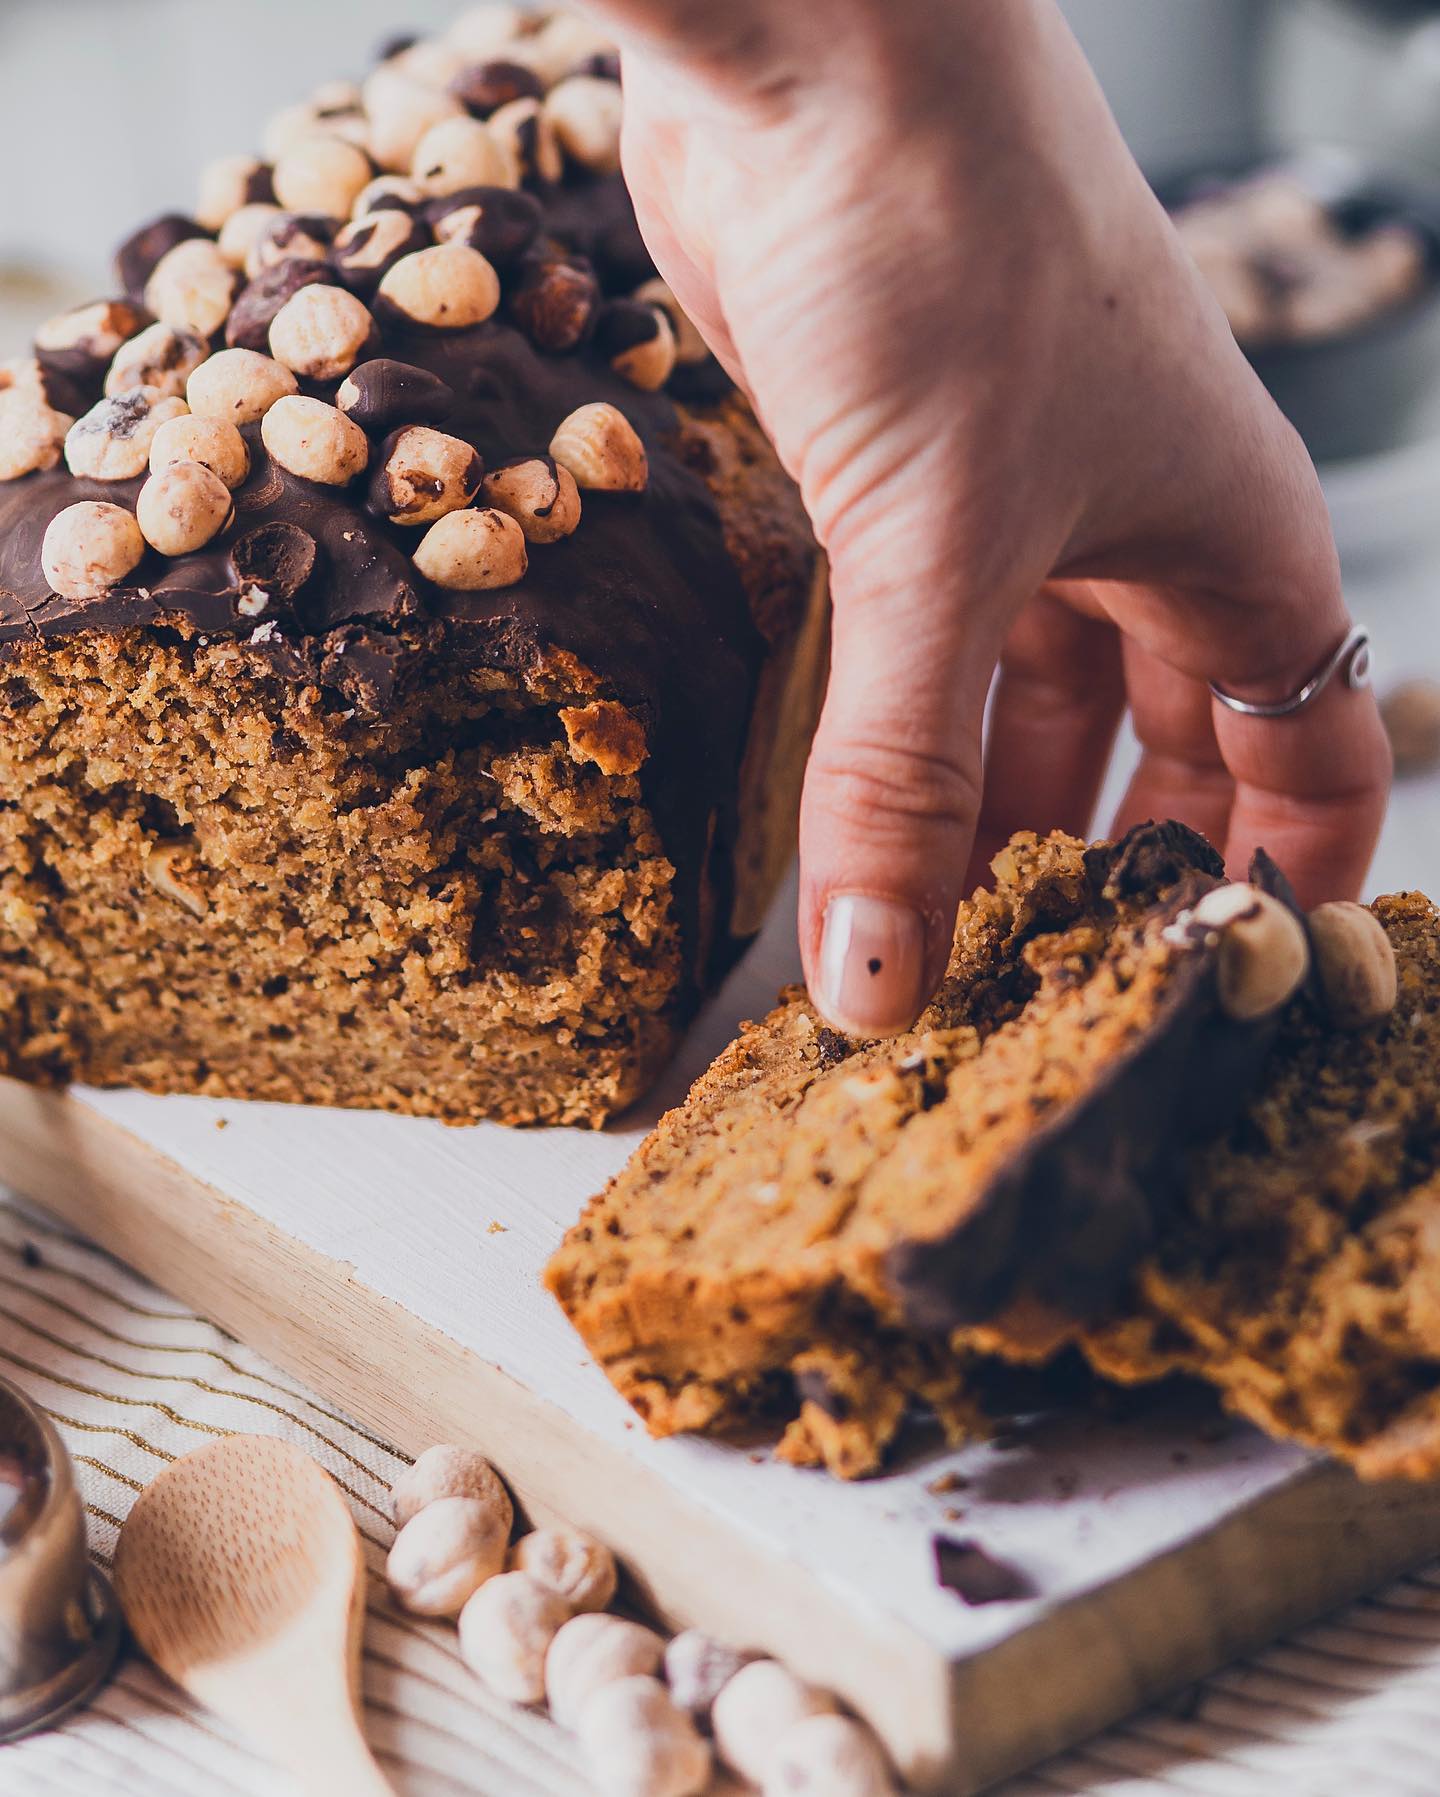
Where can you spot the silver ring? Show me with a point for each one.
(1353, 657)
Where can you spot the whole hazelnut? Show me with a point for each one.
(754, 1710)
(555, 301)
(161, 357)
(315, 441)
(483, 88)
(697, 1670)
(639, 1745)
(244, 228)
(828, 1756)
(1412, 721)
(321, 174)
(526, 135)
(112, 440)
(229, 183)
(401, 110)
(192, 287)
(505, 1633)
(450, 1471)
(289, 237)
(428, 60)
(211, 442)
(80, 343)
(570, 1563)
(89, 548)
(421, 474)
(383, 394)
(368, 248)
(586, 112)
(32, 431)
(470, 551)
(449, 287)
(321, 333)
(238, 385)
(482, 31)
(497, 221)
(248, 326)
(538, 494)
(139, 256)
(388, 193)
(1263, 954)
(592, 1651)
(690, 346)
(599, 446)
(444, 1554)
(460, 152)
(638, 343)
(562, 41)
(336, 109)
(182, 507)
(1356, 965)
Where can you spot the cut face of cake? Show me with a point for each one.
(816, 1233)
(409, 644)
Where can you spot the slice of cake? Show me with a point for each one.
(819, 1231)
(409, 644)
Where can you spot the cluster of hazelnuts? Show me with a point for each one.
(535, 1626)
(403, 202)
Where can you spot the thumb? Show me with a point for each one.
(892, 794)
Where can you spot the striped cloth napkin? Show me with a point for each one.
(1347, 1708)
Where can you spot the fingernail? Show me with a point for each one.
(872, 963)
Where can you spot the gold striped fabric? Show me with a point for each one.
(1348, 1708)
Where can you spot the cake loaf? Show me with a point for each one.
(409, 643)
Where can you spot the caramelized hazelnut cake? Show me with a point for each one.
(1157, 1117)
(409, 644)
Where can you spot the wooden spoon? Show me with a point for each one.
(240, 1572)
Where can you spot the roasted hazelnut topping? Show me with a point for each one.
(1356, 964)
(637, 341)
(538, 494)
(690, 347)
(469, 551)
(450, 287)
(383, 394)
(32, 431)
(248, 326)
(90, 548)
(112, 441)
(499, 222)
(599, 446)
(389, 193)
(484, 87)
(243, 230)
(524, 131)
(228, 184)
(161, 357)
(238, 386)
(460, 152)
(315, 441)
(212, 442)
(420, 474)
(182, 507)
(290, 236)
(366, 250)
(270, 565)
(138, 256)
(192, 287)
(555, 301)
(322, 175)
(79, 344)
(488, 30)
(586, 115)
(400, 111)
(322, 333)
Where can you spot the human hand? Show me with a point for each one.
(1025, 437)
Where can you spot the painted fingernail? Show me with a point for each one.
(872, 963)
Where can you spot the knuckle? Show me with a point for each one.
(891, 789)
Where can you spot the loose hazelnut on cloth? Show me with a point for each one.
(421, 474)
(315, 441)
(599, 446)
(639, 1744)
(1356, 964)
(572, 1564)
(239, 386)
(526, 134)
(449, 1471)
(1411, 712)
(697, 1670)
(192, 287)
(383, 394)
(321, 333)
(112, 440)
(592, 1651)
(80, 344)
(229, 183)
(367, 248)
(828, 1756)
(506, 1629)
(555, 301)
(538, 494)
(754, 1710)
(586, 113)
(497, 221)
(89, 548)
(1263, 952)
(637, 341)
(460, 152)
(162, 357)
(470, 551)
(32, 431)
(211, 442)
(321, 174)
(445, 1553)
(182, 507)
(449, 287)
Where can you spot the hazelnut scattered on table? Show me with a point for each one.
(447, 287)
(162, 357)
(182, 507)
(827, 1756)
(571, 1563)
(1263, 953)
(89, 548)
(239, 386)
(585, 112)
(592, 1651)
(538, 494)
(472, 550)
(112, 440)
(420, 474)
(1411, 712)
(638, 1744)
(697, 1670)
(1356, 964)
(447, 1470)
(600, 447)
(506, 1629)
(755, 1709)
(315, 441)
(445, 1553)
(212, 442)
(192, 287)
(320, 333)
